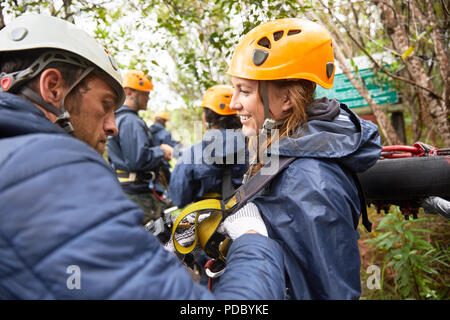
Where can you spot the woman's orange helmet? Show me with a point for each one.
(218, 98)
(137, 80)
(285, 49)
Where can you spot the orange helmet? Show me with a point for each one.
(285, 49)
(218, 98)
(161, 114)
(137, 80)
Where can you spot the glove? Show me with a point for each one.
(245, 219)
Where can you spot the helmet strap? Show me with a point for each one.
(269, 123)
(63, 116)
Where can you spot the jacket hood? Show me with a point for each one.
(156, 127)
(333, 131)
(19, 117)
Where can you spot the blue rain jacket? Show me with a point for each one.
(200, 168)
(161, 135)
(67, 230)
(133, 149)
(310, 205)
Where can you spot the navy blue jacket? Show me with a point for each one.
(161, 135)
(310, 206)
(200, 168)
(63, 214)
(133, 149)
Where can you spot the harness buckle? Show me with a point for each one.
(208, 269)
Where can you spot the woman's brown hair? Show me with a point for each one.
(300, 94)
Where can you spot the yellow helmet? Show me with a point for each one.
(289, 48)
(218, 99)
(137, 80)
(161, 114)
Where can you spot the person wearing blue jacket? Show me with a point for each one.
(67, 229)
(200, 171)
(159, 132)
(133, 153)
(161, 136)
(313, 206)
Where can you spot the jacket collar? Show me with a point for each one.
(19, 116)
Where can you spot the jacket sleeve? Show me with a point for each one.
(137, 146)
(77, 236)
(167, 139)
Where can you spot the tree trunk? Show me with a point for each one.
(385, 126)
(2, 20)
(395, 29)
(441, 55)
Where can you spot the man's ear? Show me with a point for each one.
(129, 92)
(52, 86)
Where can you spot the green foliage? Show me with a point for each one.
(413, 260)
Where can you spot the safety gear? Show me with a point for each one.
(162, 115)
(285, 49)
(218, 98)
(35, 31)
(141, 156)
(137, 80)
(215, 244)
(246, 219)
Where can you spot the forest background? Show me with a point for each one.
(185, 47)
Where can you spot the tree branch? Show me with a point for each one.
(381, 68)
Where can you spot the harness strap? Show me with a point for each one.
(209, 205)
(227, 183)
(362, 200)
(221, 211)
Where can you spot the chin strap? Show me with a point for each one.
(269, 123)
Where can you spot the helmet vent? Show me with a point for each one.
(292, 32)
(330, 69)
(278, 35)
(264, 42)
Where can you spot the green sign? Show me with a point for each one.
(344, 91)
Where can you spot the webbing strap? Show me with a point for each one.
(208, 204)
(227, 183)
(237, 201)
(255, 184)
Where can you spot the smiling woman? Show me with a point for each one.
(313, 206)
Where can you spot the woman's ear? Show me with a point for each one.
(287, 104)
(52, 86)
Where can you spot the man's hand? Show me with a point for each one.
(167, 151)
